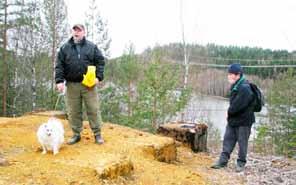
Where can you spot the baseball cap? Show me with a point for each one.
(79, 26)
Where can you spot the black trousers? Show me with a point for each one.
(232, 135)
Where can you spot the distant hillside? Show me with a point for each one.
(225, 55)
(208, 65)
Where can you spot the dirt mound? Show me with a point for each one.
(128, 157)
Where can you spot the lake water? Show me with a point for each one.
(210, 109)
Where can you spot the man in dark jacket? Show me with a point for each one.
(240, 117)
(73, 60)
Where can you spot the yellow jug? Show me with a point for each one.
(89, 79)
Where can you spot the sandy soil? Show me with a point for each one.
(128, 157)
(81, 163)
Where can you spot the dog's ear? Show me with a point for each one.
(52, 119)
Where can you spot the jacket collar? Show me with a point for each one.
(237, 83)
(71, 41)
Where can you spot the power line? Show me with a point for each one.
(244, 59)
(244, 66)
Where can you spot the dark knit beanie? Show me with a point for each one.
(235, 69)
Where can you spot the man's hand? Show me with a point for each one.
(98, 83)
(61, 87)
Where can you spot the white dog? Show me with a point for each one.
(51, 135)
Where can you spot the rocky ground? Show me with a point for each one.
(128, 157)
(270, 170)
(263, 170)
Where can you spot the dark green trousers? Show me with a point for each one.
(76, 95)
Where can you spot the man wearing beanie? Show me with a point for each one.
(240, 118)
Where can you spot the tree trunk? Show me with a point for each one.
(34, 87)
(5, 63)
(154, 125)
(53, 50)
(186, 64)
(129, 99)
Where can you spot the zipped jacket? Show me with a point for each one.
(240, 112)
(73, 59)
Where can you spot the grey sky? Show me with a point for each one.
(261, 23)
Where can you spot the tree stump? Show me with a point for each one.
(194, 135)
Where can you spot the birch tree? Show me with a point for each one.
(185, 48)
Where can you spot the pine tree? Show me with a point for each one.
(56, 25)
(124, 72)
(12, 16)
(282, 119)
(27, 44)
(97, 28)
(159, 97)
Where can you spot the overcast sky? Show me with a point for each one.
(262, 23)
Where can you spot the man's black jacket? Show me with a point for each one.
(240, 111)
(72, 62)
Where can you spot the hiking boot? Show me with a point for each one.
(74, 139)
(239, 168)
(218, 165)
(98, 139)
